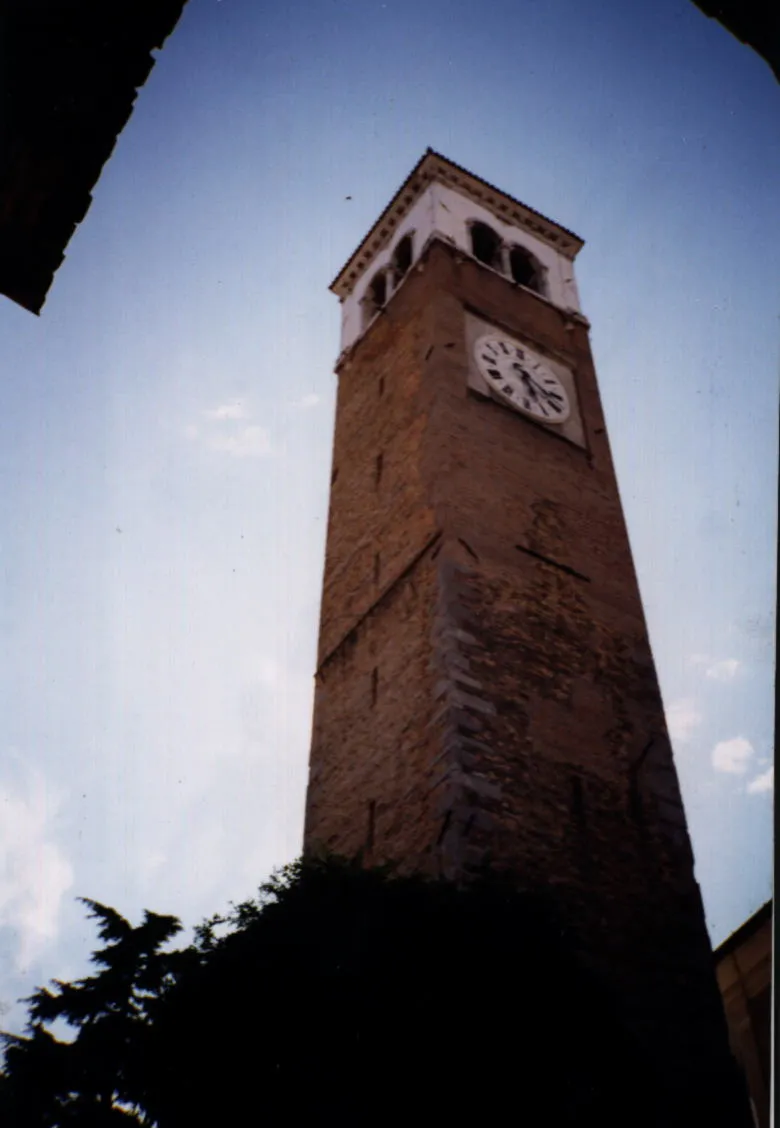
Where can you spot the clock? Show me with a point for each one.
(519, 377)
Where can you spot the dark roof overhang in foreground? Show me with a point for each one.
(69, 74)
(754, 22)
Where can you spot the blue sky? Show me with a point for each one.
(166, 427)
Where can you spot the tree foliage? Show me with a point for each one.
(339, 994)
(94, 1078)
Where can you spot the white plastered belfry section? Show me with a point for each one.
(444, 213)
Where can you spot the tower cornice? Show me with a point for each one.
(435, 167)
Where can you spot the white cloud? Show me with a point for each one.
(724, 670)
(249, 442)
(222, 434)
(732, 755)
(227, 411)
(34, 873)
(682, 717)
(763, 782)
(310, 400)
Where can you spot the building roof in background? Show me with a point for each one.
(747, 928)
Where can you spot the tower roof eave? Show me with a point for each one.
(433, 166)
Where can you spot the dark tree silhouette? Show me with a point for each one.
(340, 995)
(93, 1079)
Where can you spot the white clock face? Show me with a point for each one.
(520, 378)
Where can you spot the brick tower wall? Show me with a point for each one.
(375, 683)
(486, 690)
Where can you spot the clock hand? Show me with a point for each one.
(544, 391)
(528, 382)
(528, 379)
(524, 376)
(537, 392)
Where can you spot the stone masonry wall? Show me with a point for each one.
(371, 753)
(486, 691)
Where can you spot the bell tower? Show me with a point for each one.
(485, 691)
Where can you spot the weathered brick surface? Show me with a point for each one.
(477, 703)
